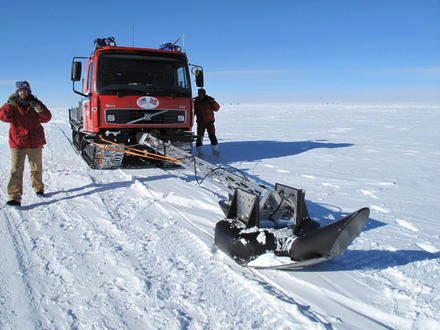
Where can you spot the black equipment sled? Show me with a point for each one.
(246, 234)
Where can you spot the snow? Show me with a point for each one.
(134, 248)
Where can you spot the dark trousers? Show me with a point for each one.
(201, 127)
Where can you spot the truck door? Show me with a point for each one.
(86, 104)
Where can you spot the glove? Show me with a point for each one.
(36, 105)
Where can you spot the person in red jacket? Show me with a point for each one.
(25, 113)
(204, 107)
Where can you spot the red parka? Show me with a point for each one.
(25, 130)
(204, 109)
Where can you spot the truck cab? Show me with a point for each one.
(128, 91)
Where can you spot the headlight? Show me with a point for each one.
(181, 118)
(111, 118)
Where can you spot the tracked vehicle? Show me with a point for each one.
(128, 91)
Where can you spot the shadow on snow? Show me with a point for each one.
(372, 260)
(257, 150)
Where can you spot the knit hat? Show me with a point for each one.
(20, 85)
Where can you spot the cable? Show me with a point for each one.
(214, 170)
(279, 205)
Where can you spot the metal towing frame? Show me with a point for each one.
(284, 206)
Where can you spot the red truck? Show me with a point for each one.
(129, 91)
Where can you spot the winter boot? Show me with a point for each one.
(13, 203)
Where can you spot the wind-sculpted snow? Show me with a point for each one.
(134, 248)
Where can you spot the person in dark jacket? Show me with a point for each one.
(25, 114)
(204, 107)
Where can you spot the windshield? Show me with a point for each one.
(138, 74)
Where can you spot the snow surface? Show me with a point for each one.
(134, 248)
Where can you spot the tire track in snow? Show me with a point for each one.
(172, 263)
(18, 298)
(122, 226)
(51, 261)
(35, 227)
(244, 276)
(107, 234)
(85, 245)
(27, 311)
(271, 287)
(112, 244)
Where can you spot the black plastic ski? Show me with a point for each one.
(324, 243)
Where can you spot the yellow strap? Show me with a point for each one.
(141, 152)
(133, 151)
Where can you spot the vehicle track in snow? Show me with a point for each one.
(66, 248)
(49, 250)
(185, 254)
(17, 292)
(205, 238)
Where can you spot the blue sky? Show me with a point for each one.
(263, 51)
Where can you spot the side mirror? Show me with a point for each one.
(199, 78)
(76, 71)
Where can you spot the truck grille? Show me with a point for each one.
(142, 117)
